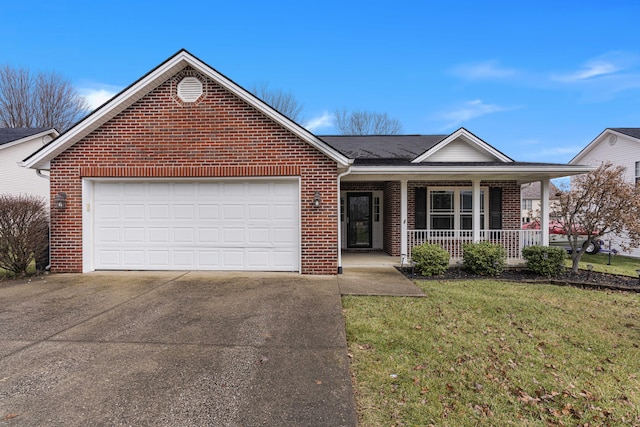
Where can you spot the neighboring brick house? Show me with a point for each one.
(620, 146)
(184, 169)
(15, 145)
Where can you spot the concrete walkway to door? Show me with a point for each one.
(174, 349)
(374, 273)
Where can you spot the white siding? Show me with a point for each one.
(14, 179)
(625, 152)
(460, 151)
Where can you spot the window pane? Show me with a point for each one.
(441, 201)
(466, 222)
(466, 201)
(637, 169)
(442, 222)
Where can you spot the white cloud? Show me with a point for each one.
(469, 110)
(323, 121)
(604, 65)
(483, 70)
(98, 96)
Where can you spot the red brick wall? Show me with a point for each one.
(392, 225)
(218, 136)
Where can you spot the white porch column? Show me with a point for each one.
(404, 201)
(544, 211)
(476, 210)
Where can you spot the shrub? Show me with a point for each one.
(544, 260)
(430, 260)
(484, 258)
(24, 231)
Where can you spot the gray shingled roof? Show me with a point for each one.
(8, 135)
(633, 132)
(382, 146)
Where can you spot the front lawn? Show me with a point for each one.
(494, 353)
(622, 265)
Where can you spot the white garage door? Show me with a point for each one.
(214, 225)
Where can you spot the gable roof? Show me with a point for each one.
(609, 134)
(633, 132)
(469, 143)
(14, 136)
(8, 135)
(151, 80)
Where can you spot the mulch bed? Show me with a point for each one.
(583, 279)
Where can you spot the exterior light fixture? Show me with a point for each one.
(316, 200)
(60, 200)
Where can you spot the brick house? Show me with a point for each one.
(184, 169)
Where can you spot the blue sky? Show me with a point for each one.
(537, 80)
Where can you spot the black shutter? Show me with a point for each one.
(495, 208)
(421, 208)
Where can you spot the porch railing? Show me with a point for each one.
(452, 240)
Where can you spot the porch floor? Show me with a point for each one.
(369, 259)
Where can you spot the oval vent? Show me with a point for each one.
(189, 89)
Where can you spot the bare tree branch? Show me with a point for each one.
(41, 100)
(366, 123)
(282, 101)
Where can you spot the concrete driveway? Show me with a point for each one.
(174, 349)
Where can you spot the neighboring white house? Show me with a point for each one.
(531, 198)
(16, 144)
(620, 146)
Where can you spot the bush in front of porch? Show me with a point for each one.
(430, 259)
(484, 258)
(545, 260)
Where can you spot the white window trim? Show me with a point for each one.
(457, 210)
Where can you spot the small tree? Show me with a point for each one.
(366, 123)
(598, 203)
(24, 231)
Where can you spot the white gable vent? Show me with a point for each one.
(189, 89)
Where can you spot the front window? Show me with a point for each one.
(452, 209)
(637, 173)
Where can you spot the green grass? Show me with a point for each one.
(493, 353)
(621, 265)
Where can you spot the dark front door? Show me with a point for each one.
(359, 220)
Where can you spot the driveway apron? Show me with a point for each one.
(174, 349)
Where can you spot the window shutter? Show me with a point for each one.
(421, 208)
(495, 208)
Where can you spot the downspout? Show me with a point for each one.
(47, 177)
(347, 172)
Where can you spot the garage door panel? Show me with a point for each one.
(159, 259)
(221, 225)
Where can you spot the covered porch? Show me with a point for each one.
(394, 216)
